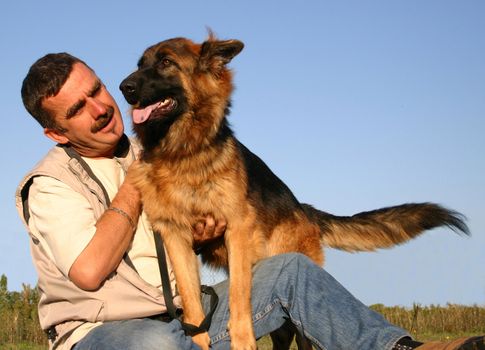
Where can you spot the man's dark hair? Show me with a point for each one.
(45, 79)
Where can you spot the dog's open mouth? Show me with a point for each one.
(158, 109)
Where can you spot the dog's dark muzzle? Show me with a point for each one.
(129, 88)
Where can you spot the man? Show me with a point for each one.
(99, 278)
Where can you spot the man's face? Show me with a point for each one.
(87, 116)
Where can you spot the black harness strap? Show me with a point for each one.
(121, 150)
(71, 152)
(166, 286)
(189, 329)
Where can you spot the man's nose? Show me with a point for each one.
(96, 107)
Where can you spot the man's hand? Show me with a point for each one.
(207, 229)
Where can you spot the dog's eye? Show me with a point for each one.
(166, 62)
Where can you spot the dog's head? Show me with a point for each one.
(180, 92)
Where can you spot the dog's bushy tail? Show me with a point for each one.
(383, 228)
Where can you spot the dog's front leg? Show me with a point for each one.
(186, 269)
(238, 243)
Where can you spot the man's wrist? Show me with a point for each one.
(125, 215)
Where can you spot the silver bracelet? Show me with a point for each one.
(125, 214)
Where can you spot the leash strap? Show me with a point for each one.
(166, 286)
(189, 329)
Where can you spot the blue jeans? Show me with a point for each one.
(287, 286)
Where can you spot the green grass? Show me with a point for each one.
(22, 347)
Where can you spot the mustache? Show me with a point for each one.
(103, 120)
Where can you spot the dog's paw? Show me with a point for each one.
(243, 341)
(246, 344)
(242, 334)
(203, 340)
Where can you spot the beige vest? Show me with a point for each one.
(123, 295)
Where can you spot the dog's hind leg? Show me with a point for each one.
(283, 337)
(302, 342)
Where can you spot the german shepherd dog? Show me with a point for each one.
(192, 165)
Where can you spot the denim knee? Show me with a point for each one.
(289, 262)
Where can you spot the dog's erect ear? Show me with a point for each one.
(215, 54)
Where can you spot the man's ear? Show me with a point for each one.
(56, 136)
(215, 54)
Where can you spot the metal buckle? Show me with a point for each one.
(51, 333)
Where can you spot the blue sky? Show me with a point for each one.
(354, 104)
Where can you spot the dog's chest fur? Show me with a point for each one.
(184, 190)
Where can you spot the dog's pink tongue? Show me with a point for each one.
(141, 115)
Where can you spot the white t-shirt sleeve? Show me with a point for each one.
(61, 219)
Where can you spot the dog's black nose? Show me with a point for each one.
(129, 89)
